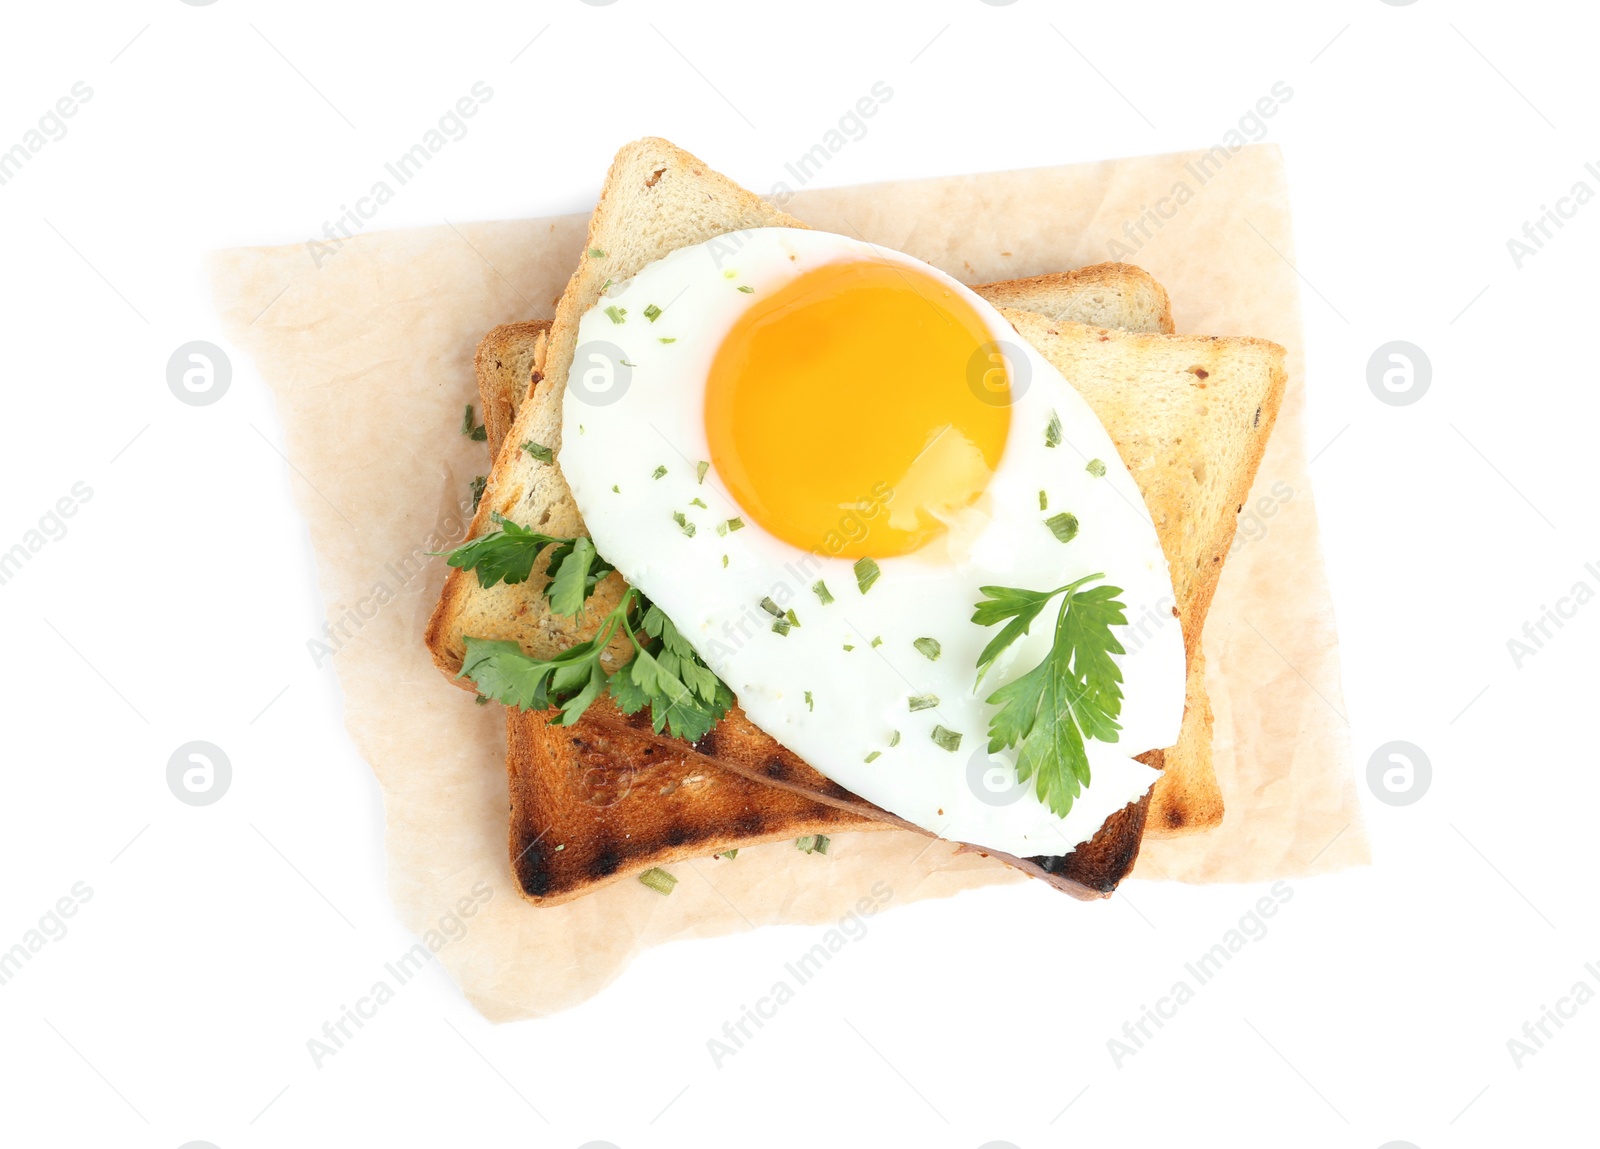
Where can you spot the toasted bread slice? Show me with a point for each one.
(657, 198)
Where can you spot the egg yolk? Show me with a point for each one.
(857, 409)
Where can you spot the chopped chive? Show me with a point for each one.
(922, 702)
(596, 253)
(929, 648)
(561, 847)
(792, 617)
(736, 524)
(1044, 501)
(658, 880)
(698, 503)
(683, 523)
(867, 573)
(812, 844)
(1096, 468)
(617, 313)
(724, 562)
(625, 363)
(700, 470)
(946, 739)
(659, 471)
(730, 854)
(771, 608)
(747, 290)
(539, 451)
(722, 529)
(652, 313)
(874, 756)
(1064, 526)
(666, 339)
(894, 738)
(481, 699)
(877, 642)
(616, 490)
(781, 626)
(809, 704)
(1052, 433)
(605, 287)
(729, 274)
(820, 589)
(847, 646)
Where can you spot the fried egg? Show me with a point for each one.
(755, 425)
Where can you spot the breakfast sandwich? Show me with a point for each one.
(786, 531)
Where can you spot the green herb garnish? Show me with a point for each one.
(929, 647)
(539, 451)
(665, 673)
(729, 854)
(596, 253)
(659, 471)
(809, 704)
(1064, 526)
(946, 739)
(477, 486)
(1044, 501)
(747, 290)
(922, 702)
(617, 314)
(700, 470)
(874, 756)
(1073, 695)
(812, 844)
(794, 619)
(684, 524)
(771, 608)
(1052, 433)
(658, 880)
(476, 432)
(1096, 468)
(652, 313)
(867, 573)
(781, 626)
(507, 555)
(820, 589)
(665, 339)
(894, 738)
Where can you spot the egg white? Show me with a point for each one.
(635, 403)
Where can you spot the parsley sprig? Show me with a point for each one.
(508, 555)
(1073, 695)
(665, 674)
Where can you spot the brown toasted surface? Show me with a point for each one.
(598, 802)
(608, 798)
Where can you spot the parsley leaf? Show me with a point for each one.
(477, 432)
(539, 451)
(508, 555)
(1073, 695)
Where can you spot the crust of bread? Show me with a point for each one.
(1115, 295)
(508, 364)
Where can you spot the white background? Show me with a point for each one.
(218, 940)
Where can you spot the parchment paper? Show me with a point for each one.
(368, 349)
